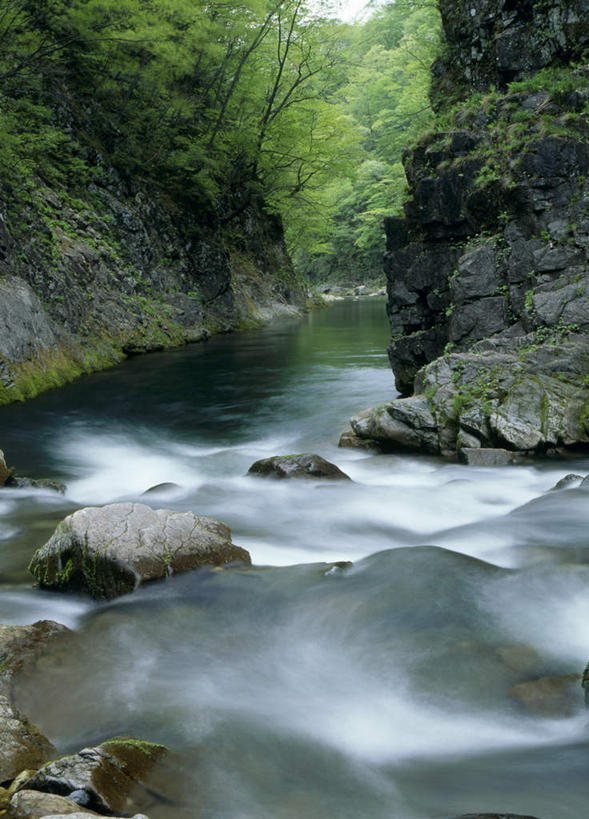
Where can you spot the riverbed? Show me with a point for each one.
(296, 688)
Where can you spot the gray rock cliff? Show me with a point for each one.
(488, 271)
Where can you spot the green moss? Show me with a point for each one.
(149, 749)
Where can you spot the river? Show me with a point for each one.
(293, 689)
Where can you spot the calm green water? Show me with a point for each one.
(290, 690)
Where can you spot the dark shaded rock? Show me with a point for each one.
(491, 816)
(16, 482)
(550, 696)
(5, 472)
(298, 466)
(110, 550)
(116, 776)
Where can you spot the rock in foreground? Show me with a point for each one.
(298, 466)
(22, 745)
(110, 550)
(111, 778)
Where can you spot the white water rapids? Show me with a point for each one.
(292, 689)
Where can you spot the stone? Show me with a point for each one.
(311, 467)
(110, 550)
(22, 745)
(30, 804)
(550, 696)
(116, 776)
(5, 472)
(407, 423)
(482, 456)
(569, 481)
(21, 646)
(349, 440)
(16, 482)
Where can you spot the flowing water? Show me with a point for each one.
(295, 689)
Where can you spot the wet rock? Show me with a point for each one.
(29, 804)
(298, 466)
(550, 696)
(116, 776)
(23, 645)
(349, 440)
(16, 482)
(569, 481)
(407, 423)
(22, 745)
(110, 550)
(5, 472)
(486, 457)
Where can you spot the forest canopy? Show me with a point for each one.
(220, 103)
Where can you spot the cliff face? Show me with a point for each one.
(83, 282)
(490, 266)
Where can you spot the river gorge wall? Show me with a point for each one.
(88, 277)
(488, 270)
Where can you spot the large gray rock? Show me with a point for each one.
(311, 467)
(119, 776)
(406, 423)
(110, 550)
(531, 401)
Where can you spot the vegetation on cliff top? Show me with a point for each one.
(218, 106)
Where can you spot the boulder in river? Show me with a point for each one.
(114, 777)
(110, 550)
(298, 466)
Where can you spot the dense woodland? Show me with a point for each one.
(218, 104)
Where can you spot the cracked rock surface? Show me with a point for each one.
(110, 550)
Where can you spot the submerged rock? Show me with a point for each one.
(298, 466)
(110, 550)
(114, 777)
(22, 745)
(550, 696)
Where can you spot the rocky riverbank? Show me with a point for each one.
(488, 272)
